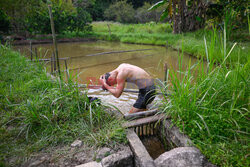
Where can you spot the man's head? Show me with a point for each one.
(107, 75)
(110, 78)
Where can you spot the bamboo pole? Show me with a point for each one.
(54, 39)
(109, 30)
(36, 54)
(54, 61)
(112, 52)
(165, 72)
(99, 87)
(31, 56)
(65, 61)
(140, 114)
(50, 59)
(51, 62)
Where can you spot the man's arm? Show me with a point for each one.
(116, 91)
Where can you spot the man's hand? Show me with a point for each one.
(103, 81)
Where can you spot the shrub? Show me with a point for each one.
(120, 11)
(4, 22)
(142, 14)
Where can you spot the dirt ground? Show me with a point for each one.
(70, 156)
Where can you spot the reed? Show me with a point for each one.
(211, 105)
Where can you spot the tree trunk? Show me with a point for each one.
(188, 18)
(174, 17)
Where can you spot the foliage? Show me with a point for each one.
(211, 105)
(38, 112)
(64, 20)
(121, 12)
(142, 15)
(186, 15)
(80, 21)
(33, 16)
(4, 22)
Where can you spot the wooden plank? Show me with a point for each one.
(140, 114)
(124, 90)
(144, 121)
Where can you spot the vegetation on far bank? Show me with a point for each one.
(38, 113)
(161, 34)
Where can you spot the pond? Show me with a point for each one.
(85, 66)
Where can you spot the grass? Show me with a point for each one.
(161, 34)
(213, 112)
(38, 112)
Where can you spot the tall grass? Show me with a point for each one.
(211, 104)
(38, 112)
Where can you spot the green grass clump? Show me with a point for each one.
(211, 105)
(161, 34)
(38, 112)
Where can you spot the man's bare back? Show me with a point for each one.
(133, 74)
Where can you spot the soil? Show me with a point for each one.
(66, 156)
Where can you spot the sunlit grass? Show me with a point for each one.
(161, 34)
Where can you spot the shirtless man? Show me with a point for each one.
(132, 74)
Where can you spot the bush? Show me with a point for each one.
(120, 11)
(64, 20)
(4, 22)
(142, 14)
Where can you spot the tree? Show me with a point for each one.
(186, 15)
(120, 11)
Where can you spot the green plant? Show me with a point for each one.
(211, 104)
(121, 12)
(4, 22)
(39, 113)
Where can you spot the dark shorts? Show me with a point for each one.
(145, 97)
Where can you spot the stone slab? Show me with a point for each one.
(173, 135)
(90, 164)
(181, 157)
(141, 156)
(120, 159)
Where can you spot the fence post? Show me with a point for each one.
(65, 61)
(54, 61)
(165, 72)
(31, 57)
(51, 62)
(36, 53)
(54, 38)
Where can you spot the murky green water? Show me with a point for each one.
(86, 67)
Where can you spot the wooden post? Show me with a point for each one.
(109, 30)
(31, 57)
(51, 62)
(54, 61)
(65, 61)
(54, 38)
(36, 53)
(165, 72)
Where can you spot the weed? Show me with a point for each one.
(211, 105)
(38, 112)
